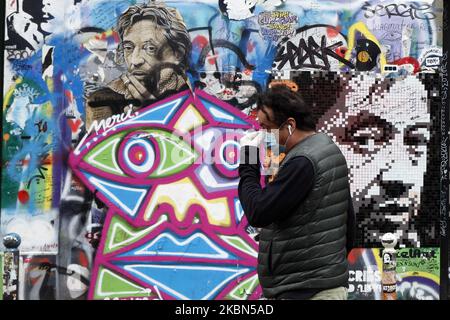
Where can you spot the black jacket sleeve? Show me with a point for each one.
(264, 206)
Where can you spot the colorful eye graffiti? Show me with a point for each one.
(140, 153)
(175, 228)
(227, 156)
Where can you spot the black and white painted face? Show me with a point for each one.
(53, 15)
(383, 130)
(144, 47)
(238, 9)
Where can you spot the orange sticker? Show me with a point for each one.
(288, 83)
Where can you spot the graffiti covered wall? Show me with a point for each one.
(417, 274)
(1, 276)
(112, 204)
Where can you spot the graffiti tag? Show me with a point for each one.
(413, 11)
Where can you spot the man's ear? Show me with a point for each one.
(293, 123)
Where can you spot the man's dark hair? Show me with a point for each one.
(285, 104)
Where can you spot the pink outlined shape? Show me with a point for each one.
(182, 228)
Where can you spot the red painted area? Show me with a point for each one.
(250, 47)
(69, 96)
(74, 124)
(84, 262)
(354, 255)
(116, 37)
(45, 162)
(23, 196)
(341, 51)
(138, 155)
(102, 36)
(211, 59)
(200, 41)
(333, 32)
(409, 60)
(253, 115)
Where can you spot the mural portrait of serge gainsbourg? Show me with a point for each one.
(386, 129)
(155, 47)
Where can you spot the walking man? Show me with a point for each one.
(305, 214)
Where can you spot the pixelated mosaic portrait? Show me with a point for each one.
(387, 128)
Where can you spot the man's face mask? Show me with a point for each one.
(272, 136)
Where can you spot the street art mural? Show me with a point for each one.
(1, 276)
(417, 274)
(135, 167)
(387, 129)
(111, 203)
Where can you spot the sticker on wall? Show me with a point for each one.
(417, 274)
(277, 24)
(431, 58)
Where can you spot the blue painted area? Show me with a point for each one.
(127, 198)
(159, 113)
(208, 10)
(238, 211)
(227, 117)
(106, 13)
(195, 246)
(35, 149)
(66, 63)
(194, 282)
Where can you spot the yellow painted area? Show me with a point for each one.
(363, 56)
(48, 188)
(420, 274)
(9, 93)
(189, 120)
(181, 195)
(49, 112)
(50, 84)
(362, 28)
(379, 261)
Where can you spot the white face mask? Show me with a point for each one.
(272, 139)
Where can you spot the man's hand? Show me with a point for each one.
(135, 87)
(252, 139)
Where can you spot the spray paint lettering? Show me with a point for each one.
(413, 11)
(314, 49)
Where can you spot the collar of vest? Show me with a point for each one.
(292, 152)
